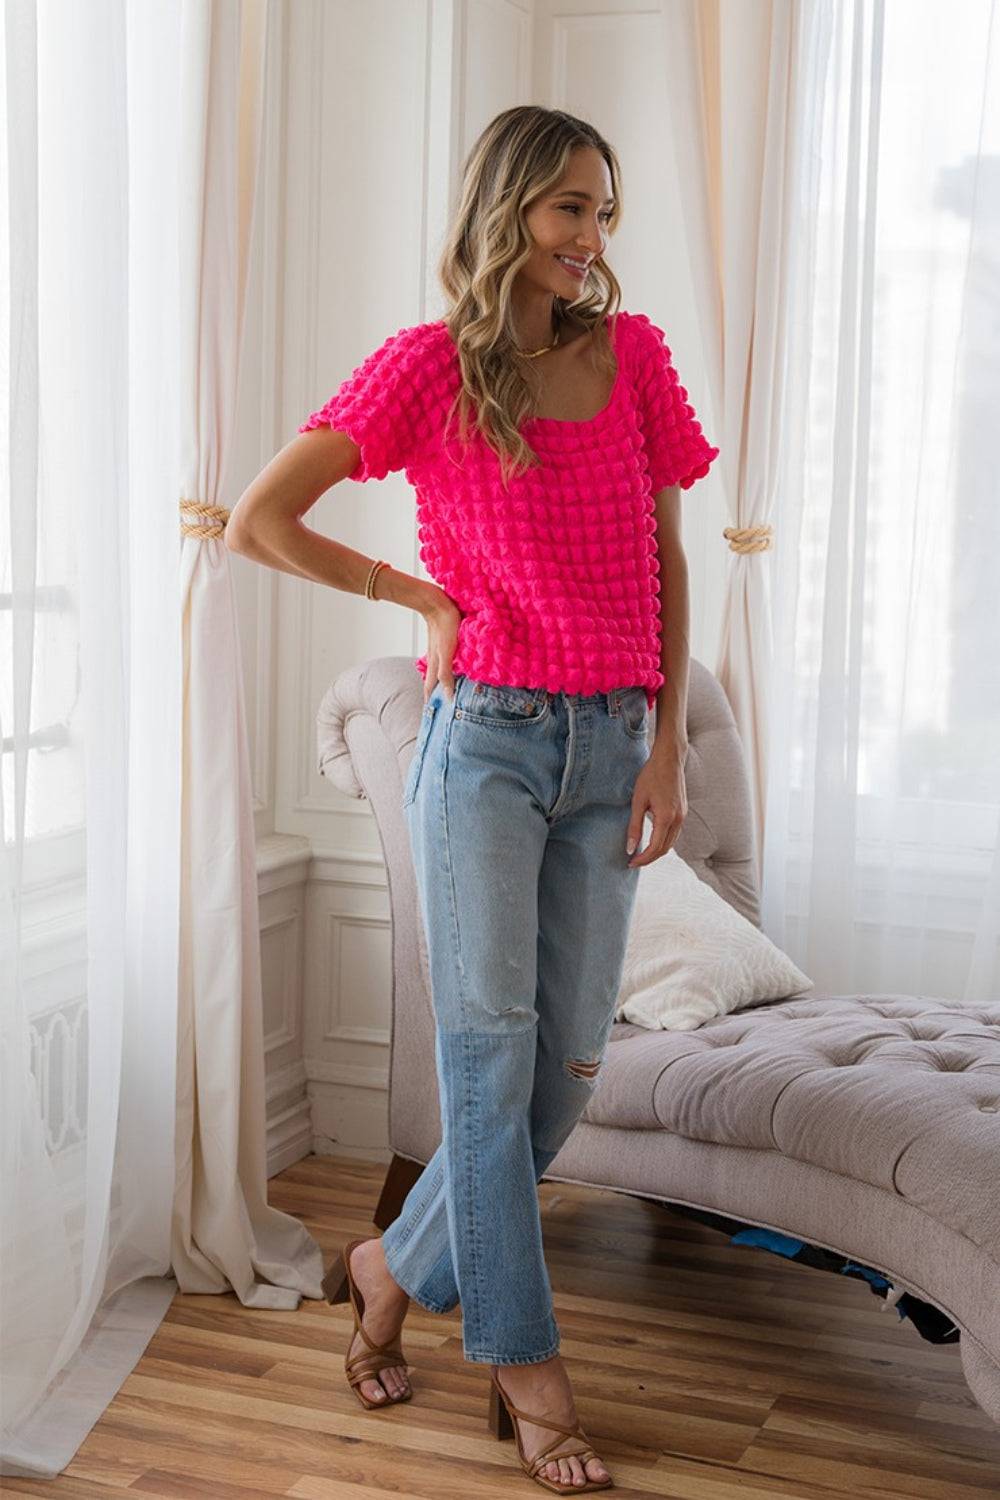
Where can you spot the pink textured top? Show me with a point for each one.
(557, 577)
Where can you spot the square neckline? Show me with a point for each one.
(572, 421)
(586, 421)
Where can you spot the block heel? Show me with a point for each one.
(503, 1424)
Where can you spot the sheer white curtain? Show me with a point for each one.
(90, 710)
(882, 854)
(839, 162)
(131, 1060)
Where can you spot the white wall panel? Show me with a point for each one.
(495, 59)
(357, 162)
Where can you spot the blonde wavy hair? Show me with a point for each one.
(521, 155)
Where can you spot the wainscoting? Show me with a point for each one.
(325, 962)
(324, 937)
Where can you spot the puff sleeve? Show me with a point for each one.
(380, 405)
(676, 448)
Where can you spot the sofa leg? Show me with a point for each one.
(335, 1284)
(399, 1178)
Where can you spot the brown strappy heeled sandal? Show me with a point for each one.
(338, 1286)
(503, 1422)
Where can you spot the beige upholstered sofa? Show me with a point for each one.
(863, 1125)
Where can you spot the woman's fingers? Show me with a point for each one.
(442, 641)
(666, 827)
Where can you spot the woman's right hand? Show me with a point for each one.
(443, 619)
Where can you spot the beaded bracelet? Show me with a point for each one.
(372, 575)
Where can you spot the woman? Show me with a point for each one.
(545, 520)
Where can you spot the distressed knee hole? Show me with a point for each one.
(582, 1067)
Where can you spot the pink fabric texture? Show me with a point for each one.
(557, 576)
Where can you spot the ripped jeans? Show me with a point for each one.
(518, 803)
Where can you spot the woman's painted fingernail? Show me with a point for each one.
(630, 847)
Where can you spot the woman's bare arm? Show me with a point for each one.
(266, 523)
(670, 740)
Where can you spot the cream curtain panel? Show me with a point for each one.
(130, 1017)
(224, 1234)
(741, 107)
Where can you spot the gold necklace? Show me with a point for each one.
(534, 353)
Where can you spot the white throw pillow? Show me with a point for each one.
(691, 956)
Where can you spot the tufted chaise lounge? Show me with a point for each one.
(868, 1125)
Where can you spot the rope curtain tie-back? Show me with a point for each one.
(749, 538)
(215, 516)
(740, 538)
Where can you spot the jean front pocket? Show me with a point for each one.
(420, 749)
(501, 707)
(633, 707)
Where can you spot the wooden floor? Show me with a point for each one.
(701, 1370)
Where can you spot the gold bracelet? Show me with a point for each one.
(373, 572)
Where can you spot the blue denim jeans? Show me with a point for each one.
(517, 802)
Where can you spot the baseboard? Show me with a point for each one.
(289, 1137)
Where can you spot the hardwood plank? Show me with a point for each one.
(120, 1450)
(702, 1370)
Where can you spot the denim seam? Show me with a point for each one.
(425, 1302)
(643, 730)
(494, 1358)
(513, 697)
(463, 990)
(392, 1263)
(450, 871)
(510, 701)
(493, 723)
(471, 1215)
(414, 1219)
(569, 769)
(413, 771)
(446, 1261)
